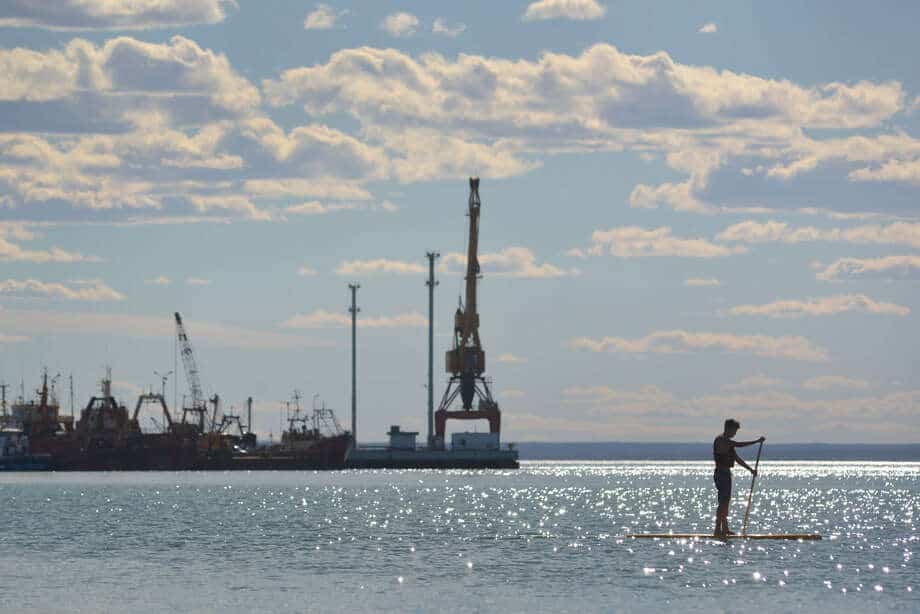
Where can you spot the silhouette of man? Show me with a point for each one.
(725, 455)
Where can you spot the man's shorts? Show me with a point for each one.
(723, 479)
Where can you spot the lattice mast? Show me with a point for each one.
(198, 404)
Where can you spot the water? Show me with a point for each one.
(545, 538)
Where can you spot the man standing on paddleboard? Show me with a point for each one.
(725, 455)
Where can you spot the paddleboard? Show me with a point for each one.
(792, 536)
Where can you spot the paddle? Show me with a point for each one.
(751, 494)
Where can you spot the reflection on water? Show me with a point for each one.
(547, 537)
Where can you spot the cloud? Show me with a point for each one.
(702, 282)
(237, 206)
(561, 100)
(197, 281)
(750, 231)
(753, 382)
(564, 9)
(510, 358)
(315, 207)
(322, 18)
(112, 14)
(440, 26)
(306, 271)
(124, 65)
(636, 242)
(650, 412)
(12, 252)
(680, 342)
(709, 28)
(13, 339)
(825, 306)
(141, 326)
(512, 393)
(285, 187)
(400, 25)
(886, 267)
(897, 171)
(506, 116)
(162, 280)
(93, 291)
(517, 262)
(826, 382)
(381, 265)
(328, 319)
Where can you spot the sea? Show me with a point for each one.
(553, 536)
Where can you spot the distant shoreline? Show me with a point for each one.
(593, 451)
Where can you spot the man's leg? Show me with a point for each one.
(722, 519)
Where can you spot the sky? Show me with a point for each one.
(690, 210)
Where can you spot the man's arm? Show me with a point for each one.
(744, 444)
(741, 462)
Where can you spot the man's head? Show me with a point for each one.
(731, 427)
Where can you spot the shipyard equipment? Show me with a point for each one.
(198, 405)
(466, 361)
(154, 399)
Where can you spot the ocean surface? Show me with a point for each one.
(549, 537)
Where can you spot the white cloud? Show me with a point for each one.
(505, 116)
(235, 205)
(321, 18)
(825, 306)
(636, 242)
(510, 358)
(653, 413)
(400, 25)
(564, 9)
(162, 280)
(680, 341)
(561, 100)
(440, 26)
(887, 267)
(328, 319)
(826, 382)
(315, 207)
(898, 171)
(292, 187)
(709, 28)
(381, 265)
(753, 382)
(13, 339)
(518, 262)
(129, 66)
(12, 252)
(306, 271)
(112, 14)
(750, 231)
(702, 282)
(197, 281)
(512, 393)
(93, 291)
(140, 326)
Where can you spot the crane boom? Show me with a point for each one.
(198, 403)
(470, 333)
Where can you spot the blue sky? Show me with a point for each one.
(691, 210)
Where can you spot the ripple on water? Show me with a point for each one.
(547, 537)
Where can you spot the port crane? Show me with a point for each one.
(198, 405)
(466, 361)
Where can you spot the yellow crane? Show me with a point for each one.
(466, 361)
